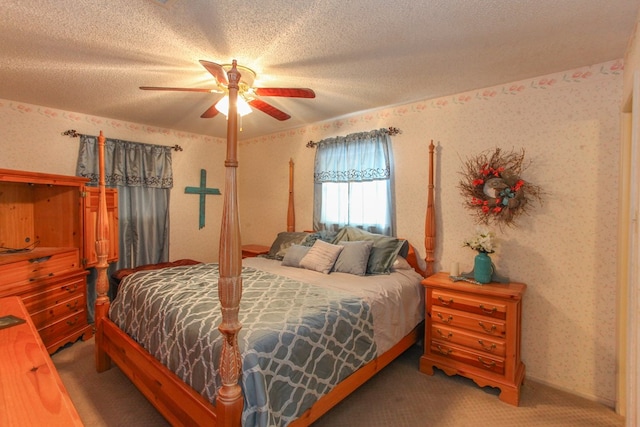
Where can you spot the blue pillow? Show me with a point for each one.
(294, 255)
(354, 258)
(384, 251)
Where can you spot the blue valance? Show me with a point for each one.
(130, 164)
(358, 157)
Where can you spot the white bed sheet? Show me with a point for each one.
(396, 299)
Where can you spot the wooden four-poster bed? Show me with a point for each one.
(178, 401)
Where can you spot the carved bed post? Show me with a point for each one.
(291, 213)
(430, 221)
(103, 362)
(229, 401)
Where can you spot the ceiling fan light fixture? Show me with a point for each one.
(243, 107)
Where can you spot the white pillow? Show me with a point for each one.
(321, 257)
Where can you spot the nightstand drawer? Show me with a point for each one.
(491, 345)
(468, 357)
(469, 303)
(460, 319)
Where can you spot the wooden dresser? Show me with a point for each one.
(474, 331)
(52, 285)
(47, 240)
(31, 391)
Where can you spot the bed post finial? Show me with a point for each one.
(102, 251)
(430, 221)
(229, 401)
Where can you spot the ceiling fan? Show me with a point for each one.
(246, 91)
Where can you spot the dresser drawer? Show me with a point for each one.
(45, 295)
(472, 322)
(37, 265)
(58, 311)
(480, 342)
(64, 326)
(469, 303)
(468, 357)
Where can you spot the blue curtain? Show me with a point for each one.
(353, 183)
(143, 175)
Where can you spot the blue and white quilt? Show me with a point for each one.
(297, 340)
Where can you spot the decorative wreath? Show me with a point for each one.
(493, 189)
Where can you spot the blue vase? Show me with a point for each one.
(482, 268)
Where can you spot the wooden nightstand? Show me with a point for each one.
(474, 331)
(249, 251)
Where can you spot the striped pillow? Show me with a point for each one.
(321, 257)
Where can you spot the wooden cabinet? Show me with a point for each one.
(31, 390)
(474, 331)
(47, 239)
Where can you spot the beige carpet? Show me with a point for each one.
(398, 396)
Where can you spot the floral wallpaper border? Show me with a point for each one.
(100, 122)
(576, 76)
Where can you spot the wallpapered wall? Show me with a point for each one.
(568, 124)
(31, 139)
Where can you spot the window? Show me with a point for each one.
(353, 183)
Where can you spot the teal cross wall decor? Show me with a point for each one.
(203, 191)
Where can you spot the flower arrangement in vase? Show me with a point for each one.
(484, 242)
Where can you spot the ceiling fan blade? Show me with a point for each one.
(181, 89)
(269, 109)
(290, 92)
(211, 112)
(216, 71)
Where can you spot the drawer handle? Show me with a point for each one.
(40, 278)
(71, 289)
(489, 348)
(443, 302)
(488, 330)
(446, 337)
(487, 365)
(73, 322)
(73, 307)
(487, 311)
(41, 259)
(447, 320)
(445, 352)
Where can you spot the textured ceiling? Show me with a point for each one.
(90, 56)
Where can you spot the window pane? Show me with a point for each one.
(357, 203)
